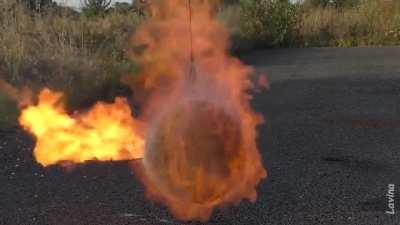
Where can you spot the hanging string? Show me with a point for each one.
(192, 71)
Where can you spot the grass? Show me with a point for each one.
(63, 50)
(271, 23)
(374, 22)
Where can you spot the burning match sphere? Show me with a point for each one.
(193, 153)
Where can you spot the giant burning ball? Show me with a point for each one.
(193, 153)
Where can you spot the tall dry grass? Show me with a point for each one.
(64, 50)
(373, 22)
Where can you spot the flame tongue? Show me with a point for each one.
(106, 132)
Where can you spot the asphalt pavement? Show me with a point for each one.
(331, 145)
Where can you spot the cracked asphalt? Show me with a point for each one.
(331, 145)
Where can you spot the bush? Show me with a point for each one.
(346, 23)
(268, 22)
(37, 5)
(95, 7)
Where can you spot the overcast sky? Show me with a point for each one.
(77, 3)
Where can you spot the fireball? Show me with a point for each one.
(200, 154)
(193, 155)
(195, 138)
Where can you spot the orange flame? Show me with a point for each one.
(106, 132)
(198, 138)
(201, 151)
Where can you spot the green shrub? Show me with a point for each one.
(268, 22)
(94, 8)
(37, 5)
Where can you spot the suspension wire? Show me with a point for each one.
(192, 71)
